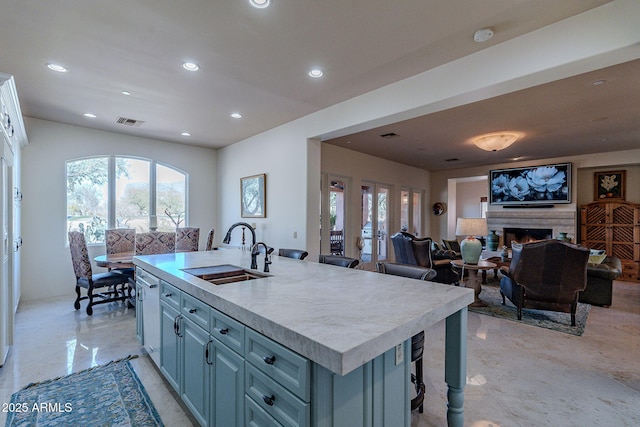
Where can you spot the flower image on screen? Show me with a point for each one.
(546, 184)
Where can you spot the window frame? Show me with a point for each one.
(111, 189)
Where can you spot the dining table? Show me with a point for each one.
(115, 261)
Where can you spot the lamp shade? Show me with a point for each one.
(471, 227)
(470, 247)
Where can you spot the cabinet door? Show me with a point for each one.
(170, 348)
(195, 370)
(227, 386)
(139, 315)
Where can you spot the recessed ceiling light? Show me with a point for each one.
(482, 35)
(236, 115)
(190, 66)
(316, 73)
(260, 4)
(185, 134)
(57, 68)
(126, 92)
(90, 115)
(599, 82)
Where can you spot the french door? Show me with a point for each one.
(375, 202)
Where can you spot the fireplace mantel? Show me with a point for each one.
(560, 221)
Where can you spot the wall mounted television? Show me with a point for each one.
(533, 185)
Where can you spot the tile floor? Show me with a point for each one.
(518, 375)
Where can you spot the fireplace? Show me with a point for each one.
(523, 235)
(556, 220)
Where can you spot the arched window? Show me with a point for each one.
(124, 192)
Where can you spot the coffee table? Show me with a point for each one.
(473, 281)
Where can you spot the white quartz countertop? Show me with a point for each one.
(337, 317)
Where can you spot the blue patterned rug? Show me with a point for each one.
(556, 321)
(107, 395)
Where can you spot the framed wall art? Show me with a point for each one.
(609, 185)
(253, 191)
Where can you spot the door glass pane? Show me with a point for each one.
(383, 223)
(87, 195)
(366, 225)
(417, 213)
(171, 190)
(132, 194)
(404, 210)
(336, 216)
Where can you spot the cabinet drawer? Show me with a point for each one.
(149, 279)
(228, 331)
(283, 365)
(255, 416)
(170, 294)
(195, 310)
(275, 400)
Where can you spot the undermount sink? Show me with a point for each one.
(225, 273)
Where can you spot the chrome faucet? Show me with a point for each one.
(255, 250)
(227, 238)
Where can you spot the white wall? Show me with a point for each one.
(46, 261)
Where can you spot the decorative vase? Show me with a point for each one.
(563, 237)
(504, 255)
(492, 241)
(470, 249)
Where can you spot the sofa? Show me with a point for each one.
(412, 250)
(600, 279)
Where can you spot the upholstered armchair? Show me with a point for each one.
(545, 275)
(418, 251)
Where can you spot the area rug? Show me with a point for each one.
(107, 395)
(545, 319)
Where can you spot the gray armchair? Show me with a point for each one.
(412, 250)
(545, 275)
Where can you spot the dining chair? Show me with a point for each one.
(187, 239)
(341, 261)
(209, 245)
(417, 341)
(293, 253)
(155, 242)
(118, 241)
(86, 279)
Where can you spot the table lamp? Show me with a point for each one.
(470, 247)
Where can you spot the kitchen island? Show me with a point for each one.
(342, 337)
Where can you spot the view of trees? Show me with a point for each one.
(88, 200)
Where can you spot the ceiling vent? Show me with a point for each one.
(129, 122)
(453, 159)
(389, 135)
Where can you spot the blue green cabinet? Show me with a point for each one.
(227, 385)
(230, 375)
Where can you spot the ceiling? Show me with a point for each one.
(255, 62)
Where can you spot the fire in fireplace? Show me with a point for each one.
(523, 235)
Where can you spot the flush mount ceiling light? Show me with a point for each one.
(316, 73)
(185, 134)
(190, 66)
(496, 141)
(236, 115)
(90, 115)
(125, 93)
(260, 4)
(482, 35)
(57, 68)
